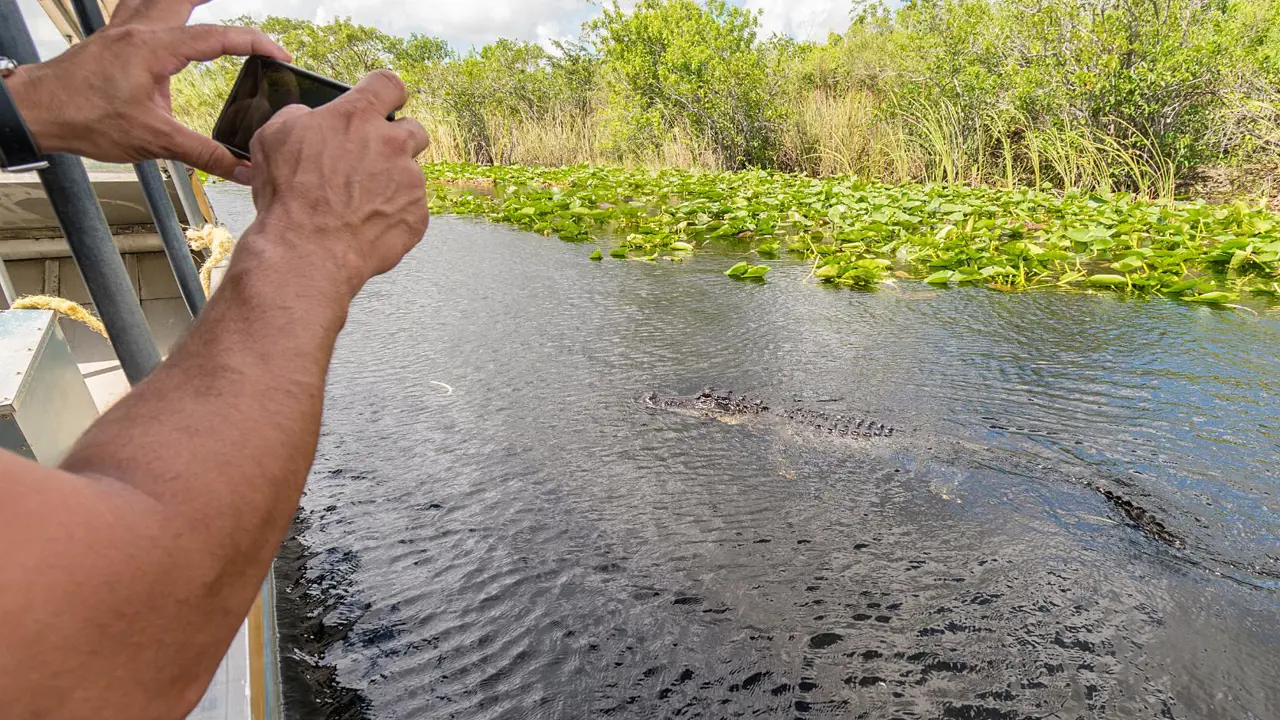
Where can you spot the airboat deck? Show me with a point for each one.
(39, 262)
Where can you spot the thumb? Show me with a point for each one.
(204, 153)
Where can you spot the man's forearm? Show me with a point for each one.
(231, 422)
(203, 465)
(249, 377)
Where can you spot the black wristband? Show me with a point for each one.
(18, 152)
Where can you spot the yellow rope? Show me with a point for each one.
(62, 306)
(215, 239)
(218, 242)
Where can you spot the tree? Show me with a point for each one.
(688, 65)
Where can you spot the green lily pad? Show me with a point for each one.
(1111, 281)
(1216, 297)
(1128, 265)
(858, 231)
(827, 272)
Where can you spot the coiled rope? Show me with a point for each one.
(213, 238)
(219, 242)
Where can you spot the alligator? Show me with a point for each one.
(727, 407)
(722, 405)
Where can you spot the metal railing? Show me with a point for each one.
(7, 293)
(155, 192)
(85, 226)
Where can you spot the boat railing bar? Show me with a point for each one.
(186, 193)
(88, 235)
(172, 236)
(156, 194)
(7, 293)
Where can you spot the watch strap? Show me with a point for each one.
(18, 151)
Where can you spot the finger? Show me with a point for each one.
(199, 152)
(154, 13)
(282, 115)
(415, 136)
(286, 112)
(201, 43)
(381, 91)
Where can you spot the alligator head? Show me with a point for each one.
(709, 403)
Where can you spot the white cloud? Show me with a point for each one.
(467, 23)
(803, 19)
(463, 23)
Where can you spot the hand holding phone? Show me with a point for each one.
(264, 87)
(339, 193)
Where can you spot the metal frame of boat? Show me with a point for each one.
(111, 240)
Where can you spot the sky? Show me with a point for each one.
(468, 23)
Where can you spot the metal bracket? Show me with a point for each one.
(11, 437)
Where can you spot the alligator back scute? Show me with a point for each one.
(1139, 516)
(840, 425)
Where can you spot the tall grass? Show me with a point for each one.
(553, 141)
(913, 141)
(198, 95)
(856, 133)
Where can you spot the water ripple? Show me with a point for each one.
(538, 545)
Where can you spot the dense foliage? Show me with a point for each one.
(861, 233)
(1132, 95)
(684, 65)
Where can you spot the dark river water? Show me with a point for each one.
(496, 526)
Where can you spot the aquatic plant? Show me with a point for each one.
(861, 233)
(747, 271)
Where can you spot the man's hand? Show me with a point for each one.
(337, 189)
(107, 98)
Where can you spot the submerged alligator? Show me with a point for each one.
(719, 404)
(727, 407)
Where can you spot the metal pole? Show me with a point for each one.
(171, 234)
(85, 227)
(156, 194)
(186, 193)
(89, 15)
(7, 294)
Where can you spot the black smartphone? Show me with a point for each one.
(264, 87)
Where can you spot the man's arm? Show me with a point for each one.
(125, 574)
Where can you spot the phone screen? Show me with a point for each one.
(264, 87)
